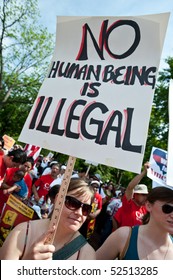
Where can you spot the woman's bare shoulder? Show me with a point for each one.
(120, 233)
(41, 222)
(13, 243)
(87, 252)
(37, 228)
(19, 228)
(125, 230)
(114, 244)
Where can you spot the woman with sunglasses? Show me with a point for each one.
(150, 241)
(28, 242)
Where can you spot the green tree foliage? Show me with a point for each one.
(159, 120)
(24, 51)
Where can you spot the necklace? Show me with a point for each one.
(147, 256)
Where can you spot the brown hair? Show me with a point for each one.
(19, 174)
(81, 187)
(159, 193)
(19, 156)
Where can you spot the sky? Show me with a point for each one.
(49, 9)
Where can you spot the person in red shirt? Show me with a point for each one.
(25, 167)
(1, 146)
(133, 203)
(42, 185)
(12, 159)
(8, 179)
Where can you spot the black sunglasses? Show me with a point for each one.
(74, 204)
(167, 209)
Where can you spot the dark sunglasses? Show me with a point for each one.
(167, 209)
(74, 204)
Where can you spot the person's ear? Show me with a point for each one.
(148, 206)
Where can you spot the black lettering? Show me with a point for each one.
(72, 117)
(40, 127)
(98, 123)
(54, 69)
(126, 145)
(119, 23)
(104, 40)
(61, 72)
(84, 89)
(39, 104)
(94, 91)
(109, 127)
(55, 129)
(152, 77)
(83, 55)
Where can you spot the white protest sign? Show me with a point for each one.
(96, 101)
(91, 162)
(158, 166)
(170, 137)
(158, 171)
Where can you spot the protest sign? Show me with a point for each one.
(158, 168)
(8, 142)
(14, 213)
(170, 137)
(96, 100)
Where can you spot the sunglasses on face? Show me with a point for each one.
(74, 204)
(167, 209)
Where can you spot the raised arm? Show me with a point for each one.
(135, 181)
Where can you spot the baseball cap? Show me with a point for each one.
(53, 162)
(95, 182)
(37, 209)
(141, 188)
(63, 167)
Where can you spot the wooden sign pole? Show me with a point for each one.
(59, 202)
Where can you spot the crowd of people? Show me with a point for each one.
(128, 222)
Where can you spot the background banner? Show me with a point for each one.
(14, 213)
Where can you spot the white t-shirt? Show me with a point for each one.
(101, 192)
(46, 171)
(57, 181)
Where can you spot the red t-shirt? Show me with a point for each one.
(43, 184)
(97, 203)
(129, 214)
(2, 167)
(9, 175)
